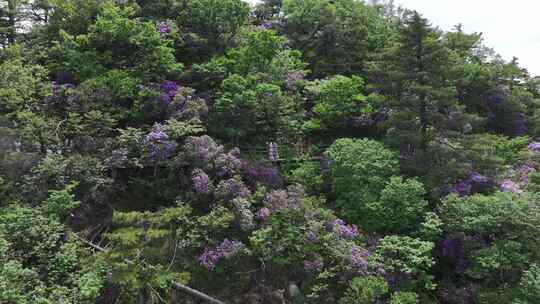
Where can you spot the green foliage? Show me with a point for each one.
(115, 40)
(420, 94)
(145, 248)
(334, 36)
(529, 286)
(510, 222)
(104, 132)
(365, 290)
(403, 254)
(359, 170)
(61, 202)
(212, 23)
(336, 99)
(39, 263)
(254, 111)
(404, 298)
(401, 205)
(21, 83)
(489, 151)
(431, 228)
(308, 174)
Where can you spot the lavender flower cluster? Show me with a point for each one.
(285, 199)
(162, 28)
(472, 183)
(521, 175)
(168, 91)
(210, 257)
(263, 173)
(229, 164)
(158, 144)
(509, 186)
(265, 25)
(232, 188)
(340, 228)
(313, 265)
(359, 258)
(453, 249)
(263, 214)
(185, 105)
(201, 181)
(534, 147)
(201, 150)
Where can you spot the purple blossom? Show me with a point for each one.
(453, 249)
(158, 144)
(285, 199)
(201, 150)
(523, 173)
(263, 214)
(349, 232)
(184, 105)
(313, 265)
(496, 98)
(509, 186)
(293, 78)
(229, 248)
(232, 188)
(265, 25)
(169, 90)
(162, 28)
(534, 147)
(519, 124)
(263, 173)
(359, 258)
(229, 164)
(461, 188)
(311, 236)
(472, 183)
(201, 181)
(210, 257)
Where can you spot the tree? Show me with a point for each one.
(209, 26)
(422, 98)
(336, 100)
(496, 244)
(358, 173)
(40, 263)
(334, 36)
(257, 101)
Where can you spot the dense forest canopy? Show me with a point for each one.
(292, 151)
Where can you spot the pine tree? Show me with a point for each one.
(416, 87)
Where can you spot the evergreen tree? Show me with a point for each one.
(418, 91)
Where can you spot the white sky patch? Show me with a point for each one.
(512, 28)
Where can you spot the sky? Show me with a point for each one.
(512, 28)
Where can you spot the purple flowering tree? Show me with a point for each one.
(158, 144)
(225, 250)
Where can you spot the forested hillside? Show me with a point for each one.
(295, 151)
